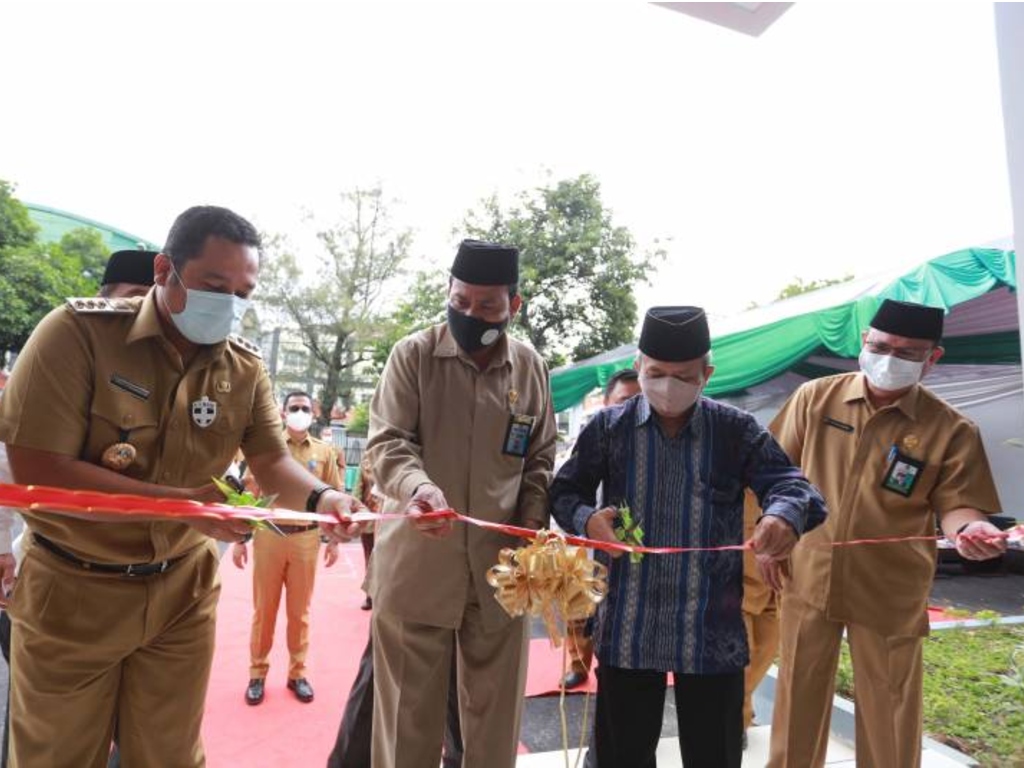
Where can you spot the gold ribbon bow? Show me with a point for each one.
(550, 579)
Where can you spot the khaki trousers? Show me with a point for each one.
(763, 639)
(289, 562)
(90, 649)
(887, 676)
(411, 672)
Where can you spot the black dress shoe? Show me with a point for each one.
(254, 693)
(303, 690)
(574, 679)
(744, 739)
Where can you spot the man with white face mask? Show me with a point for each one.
(288, 561)
(113, 616)
(890, 457)
(680, 462)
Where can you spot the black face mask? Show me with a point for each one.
(472, 333)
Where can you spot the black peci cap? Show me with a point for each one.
(904, 318)
(675, 334)
(482, 263)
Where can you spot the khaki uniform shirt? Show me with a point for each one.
(435, 418)
(86, 380)
(316, 457)
(758, 597)
(843, 444)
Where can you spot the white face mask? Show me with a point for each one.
(298, 421)
(888, 372)
(669, 396)
(208, 316)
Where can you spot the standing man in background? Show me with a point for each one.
(461, 419)
(288, 561)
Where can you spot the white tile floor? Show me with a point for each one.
(839, 755)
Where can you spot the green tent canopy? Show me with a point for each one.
(763, 343)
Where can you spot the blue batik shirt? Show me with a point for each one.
(679, 612)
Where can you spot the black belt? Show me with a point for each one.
(290, 529)
(139, 569)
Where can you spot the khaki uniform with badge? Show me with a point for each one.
(486, 438)
(885, 472)
(288, 561)
(98, 381)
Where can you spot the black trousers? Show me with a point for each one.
(352, 747)
(630, 705)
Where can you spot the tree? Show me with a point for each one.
(87, 250)
(798, 286)
(577, 268)
(36, 277)
(338, 314)
(16, 228)
(423, 306)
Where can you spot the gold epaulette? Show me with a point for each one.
(245, 345)
(98, 305)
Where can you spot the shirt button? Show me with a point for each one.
(166, 475)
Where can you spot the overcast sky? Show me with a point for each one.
(848, 138)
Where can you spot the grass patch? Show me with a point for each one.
(973, 691)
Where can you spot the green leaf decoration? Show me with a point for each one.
(628, 531)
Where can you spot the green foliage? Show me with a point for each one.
(36, 277)
(359, 422)
(339, 315)
(973, 691)
(798, 286)
(16, 228)
(577, 268)
(87, 251)
(628, 531)
(423, 306)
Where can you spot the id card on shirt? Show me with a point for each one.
(903, 474)
(517, 436)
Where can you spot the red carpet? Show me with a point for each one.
(282, 732)
(545, 671)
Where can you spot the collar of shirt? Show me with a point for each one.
(446, 347)
(147, 325)
(857, 389)
(304, 441)
(644, 412)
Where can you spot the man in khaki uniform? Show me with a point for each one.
(760, 616)
(288, 561)
(461, 418)
(890, 457)
(114, 617)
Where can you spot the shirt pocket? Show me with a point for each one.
(116, 417)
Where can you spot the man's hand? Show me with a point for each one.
(773, 538)
(205, 494)
(601, 527)
(343, 506)
(980, 540)
(222, 530)
(429, 498)
(774, 573)
(7, 566)
(330, 554)
(240, 554)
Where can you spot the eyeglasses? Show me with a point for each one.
(297, 408)
(913, 354)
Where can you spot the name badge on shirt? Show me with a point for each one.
(517, 436)
(903, 474)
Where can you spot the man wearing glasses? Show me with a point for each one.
(890, 457)
(288, 559)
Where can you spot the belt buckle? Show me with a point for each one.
(164, 565)
(128, 571)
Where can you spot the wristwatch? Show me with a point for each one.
(314, 496)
